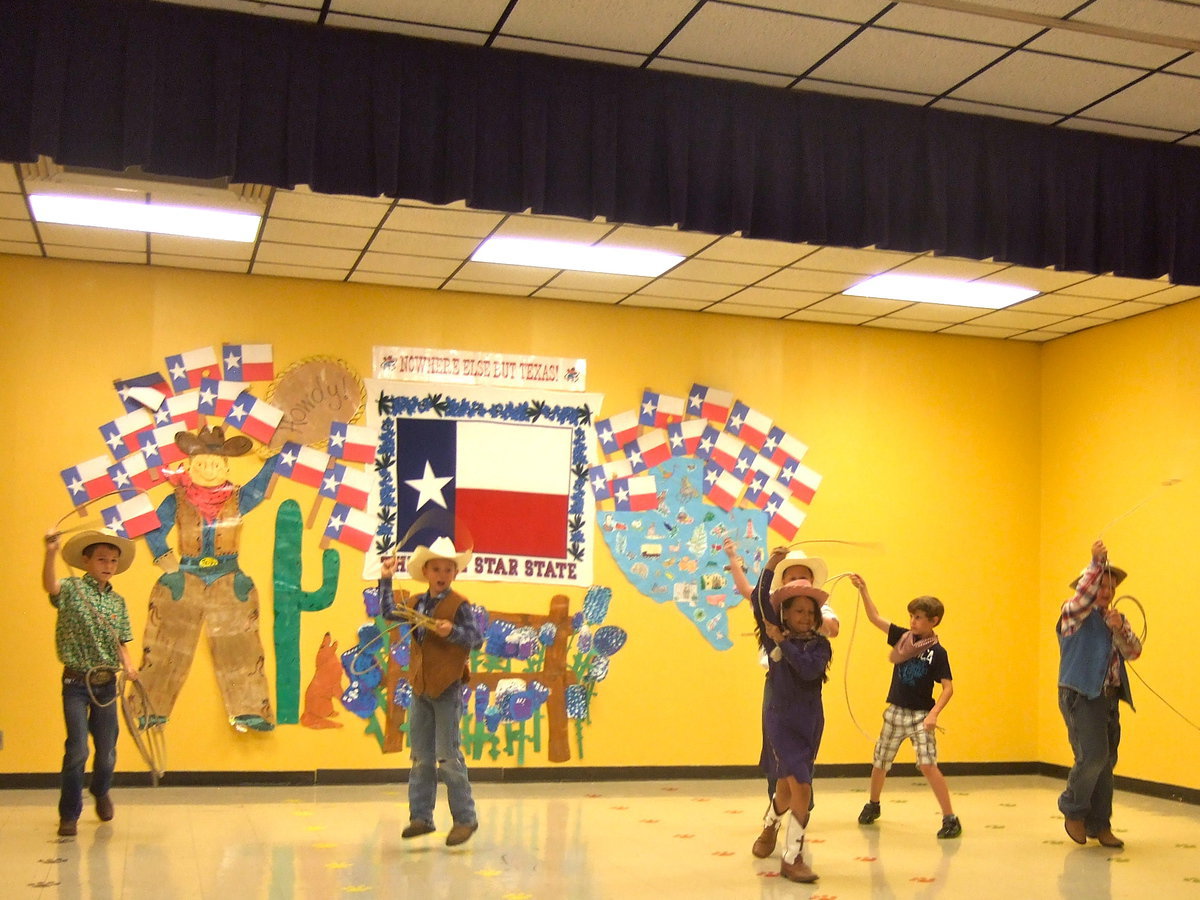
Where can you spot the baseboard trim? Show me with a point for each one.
(551, 774)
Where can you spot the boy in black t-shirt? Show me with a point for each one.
(920, 662)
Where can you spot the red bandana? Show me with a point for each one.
(208, 500)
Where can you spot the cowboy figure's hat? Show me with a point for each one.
(212, 441)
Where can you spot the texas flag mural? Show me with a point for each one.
(132, 518)
(503, 486)
(143, 392)
(88, 480)
(218, 396)
(121, 434)
(353, 443)
(660, 410)
(254, 417)
(351, 527)
(709, 403)
(187, 368)
(248, 362)
(302, 463)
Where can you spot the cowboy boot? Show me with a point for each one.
(793, 867)
(764, 844)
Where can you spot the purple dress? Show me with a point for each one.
(793, 717)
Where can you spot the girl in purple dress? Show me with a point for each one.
(789, 623)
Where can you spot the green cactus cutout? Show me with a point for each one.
(291, 601)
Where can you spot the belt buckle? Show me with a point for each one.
(208, 562)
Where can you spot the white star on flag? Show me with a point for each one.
(429, 487)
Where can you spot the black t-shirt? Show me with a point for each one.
(913, 679)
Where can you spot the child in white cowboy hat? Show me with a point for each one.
(437, 669)
(90, 637)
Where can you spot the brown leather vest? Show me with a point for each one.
(189, 523)
(435, 662)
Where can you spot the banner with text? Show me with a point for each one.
(427, 364)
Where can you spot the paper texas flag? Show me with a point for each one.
(88, 480)
(248, 362)
(132, 518)
(187, 368)
(353, 443)
(351, 527)
(505, 485)
(254, 417)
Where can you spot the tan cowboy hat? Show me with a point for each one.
(1118, 575)
(72, 551)
(212, 441)
(798, 558)
(442, 548)
(798, 589)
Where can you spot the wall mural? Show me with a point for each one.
(681, 475)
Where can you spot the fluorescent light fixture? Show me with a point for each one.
(545, 254)
(948, 291)
(158, 218)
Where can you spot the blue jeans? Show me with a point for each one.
(83, 717)
(1094, 730)
(433, 734)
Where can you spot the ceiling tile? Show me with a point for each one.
(403, 264)
(867, 92)
(574, 51)
(598, 281)
(1038, 337)
(1165, 17)
(488, 287)
(1014, 318)
(1063, 304)
(864, 306)
(1172, 294)
(1055, 8)
(948, 267)
(906, 62)
(1086, 123)
(398, 280)
(642, 300)
(936, 312)
(20, 249)
(390, 26)
(8, 178)
(12, 206)
(96, 254)
(478, 15)
(300, 10)
(495, 273)
(721, 272)
(857, 11)
(1076, 323)
(300, 255)
(1189, 65)
(950, 23)
(812, 280)
(990, 109)
(306, 206)
(207, 263)
(984, 331)
(1112, 288)
(745, 309)
(1045, 280)
(1124, 310)
(1102, 48)
(1160, 101)
(552, 293)
(285, 271)
(685, 243)
(681, 289)
(860, 262)
(752, 250)
(905, 324)
(555, 229)
(776, 42)
(1049, 83)
(413, 243)
(760, 296)
(439, 220)
(315, 234)
(174, 245)
(631, 25)
(824, 315)
(83, 236)
(708, 70)
(17, 230)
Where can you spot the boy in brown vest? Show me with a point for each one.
(438, 670)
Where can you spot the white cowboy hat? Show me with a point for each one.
(72, 551)
(442, 548)
(817, 565)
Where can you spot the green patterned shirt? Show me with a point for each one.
(90, 623)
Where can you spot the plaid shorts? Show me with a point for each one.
(900, 724)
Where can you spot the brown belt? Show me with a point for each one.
(98, 676)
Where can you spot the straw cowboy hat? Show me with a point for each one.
(442, 548)
(796, 589)
(815, 564)
(72, 551)
(212, 441)
(1118, 575)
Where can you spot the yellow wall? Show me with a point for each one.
(934, 450)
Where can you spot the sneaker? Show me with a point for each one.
(460, 834)
(67, 828)
(416, 828)
(870, 812)
(104, 808)
(951, 827)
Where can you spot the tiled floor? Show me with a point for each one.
(581, 841)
